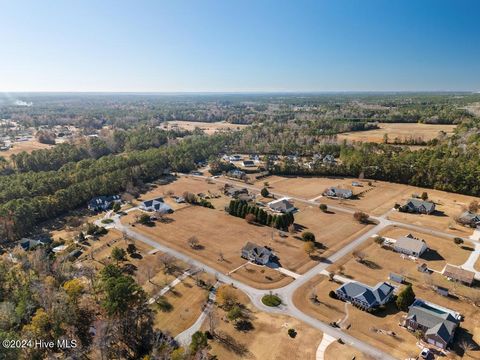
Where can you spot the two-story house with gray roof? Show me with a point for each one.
(365, 297)
(437, 324)
(418, 206)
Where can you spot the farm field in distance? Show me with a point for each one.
(208, 127)
(27, 146)
(401, 131)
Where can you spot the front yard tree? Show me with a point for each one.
(308, 236)
(309, 247)
(199, 341)
(144, 219)
(361, 217)
(405, 298)
(116, 207)
(235, 313)
(226, 296)
(424, 196)
(193, 242)
(473, 206)
(323, 207)
(264, 192)
(250, 218)
(118, 254)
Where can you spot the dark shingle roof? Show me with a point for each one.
(416, 203)
(440, 323)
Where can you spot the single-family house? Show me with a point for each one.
(102, 203)
(234, 158)
(410, 245)
(418, 206)
(30, 244)
(75, 254)
(248, 163)
(364, 296)
(338, 193)
(282, 205)
(470, 219)
(437, 324)
(237, 174)
(256, 253)
(456, 273)
(235, 191)
(156, 205)
(329, 159)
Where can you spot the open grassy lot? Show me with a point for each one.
(307, 187)
(380, 262)
(333, 229)
(27, 146)
(169, 186)
(378, 198)
(218, 233)
(442, 250)
(182, 306)
(267, 339)
(401, 131)
(337, 351)
(209, 128)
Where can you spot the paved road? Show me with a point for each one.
(286, 292)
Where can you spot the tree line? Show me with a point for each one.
(29, 198)
(240, 208)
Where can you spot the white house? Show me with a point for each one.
(410, 245)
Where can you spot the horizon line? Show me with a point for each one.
(247, 92)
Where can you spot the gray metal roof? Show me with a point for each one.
(406, 242)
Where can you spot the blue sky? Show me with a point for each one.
(239, 45)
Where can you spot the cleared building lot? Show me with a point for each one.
(378, 197)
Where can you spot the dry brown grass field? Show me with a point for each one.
(378, 198)
(187, 301)
(401, 131)
(442, 250)
(218, 233)
(209, 128)
(337, 351)
(268, 339)
(27, 146)
(333, 229)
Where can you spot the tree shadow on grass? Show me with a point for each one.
(231, 344)
(371, 264)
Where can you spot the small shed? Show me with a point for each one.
(396, 277)
(441, 290)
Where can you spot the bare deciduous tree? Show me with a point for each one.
(193, 242)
